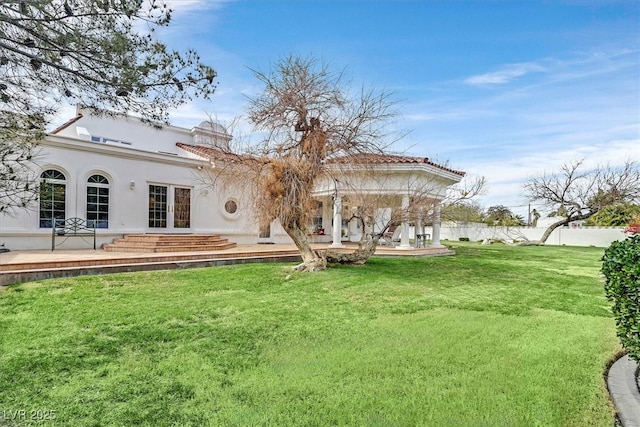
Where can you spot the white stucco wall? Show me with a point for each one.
(585, 236)
(130, 172)
(139, 135)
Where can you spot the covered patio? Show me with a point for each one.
(368, 195)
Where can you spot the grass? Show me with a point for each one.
(494, 336)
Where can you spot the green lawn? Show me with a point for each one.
(494, 336)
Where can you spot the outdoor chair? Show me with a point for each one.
(391, 236)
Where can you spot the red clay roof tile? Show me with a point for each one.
(360, 158)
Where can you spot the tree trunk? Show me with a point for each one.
(552, 227)
(560, 223)
(364, 251)
(311, 260)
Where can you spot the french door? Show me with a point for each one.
(169, 207)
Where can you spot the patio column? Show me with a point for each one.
(418, 229)
(435, 241)
(404, 234)
(337, 222)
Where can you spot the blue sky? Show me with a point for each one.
(505, 89)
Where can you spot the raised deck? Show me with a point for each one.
(22, 266)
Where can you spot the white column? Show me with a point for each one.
(435, 239)
(337, 222)
(418, 230)
(404, 234)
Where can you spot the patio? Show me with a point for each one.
(22, 266)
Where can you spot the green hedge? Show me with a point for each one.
(621, 268)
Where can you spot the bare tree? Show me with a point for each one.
(98, 53)
(309, 117)
(582, 192)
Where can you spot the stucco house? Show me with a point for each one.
(128, 177)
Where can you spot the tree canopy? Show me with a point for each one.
(617, 215)
(502, 216)
(102, 54)
(462, 212)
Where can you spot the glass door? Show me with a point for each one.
(169, 207)
(181, 207)
(158, 206)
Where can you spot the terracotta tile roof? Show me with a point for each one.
(371, 158)
(213, 153)
(361, 158)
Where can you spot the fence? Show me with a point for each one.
(583, 236)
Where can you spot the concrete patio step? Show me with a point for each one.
(169, 238)
(122, 247)
(155, 243)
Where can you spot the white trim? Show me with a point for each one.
(121, 152)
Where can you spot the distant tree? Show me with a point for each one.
(498, 213)
(517, 220)
(536, 217)
(617, 215)
(462, 212)
(580, 193)
(98, 53)
(502, 216)
(561, 211)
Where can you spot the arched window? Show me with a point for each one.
(53, 192)
(98, 201)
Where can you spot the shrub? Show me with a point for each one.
(621, 268)
(464, 239)
(616, 215)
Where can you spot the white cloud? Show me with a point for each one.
(191, 5)
(505, 74)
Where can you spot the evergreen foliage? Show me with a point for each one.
(621, 268)
(617, 215)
